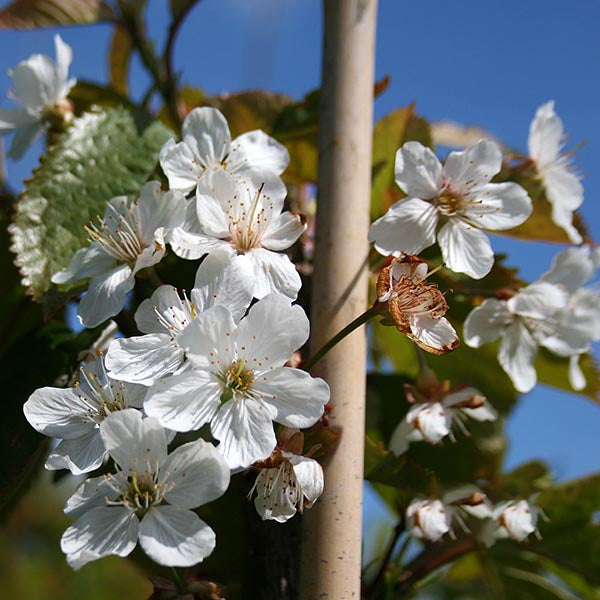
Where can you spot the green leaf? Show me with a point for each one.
(87, 95)
(103, 154)
(389, 134)
(32, 14)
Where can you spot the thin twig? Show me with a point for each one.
(398, 530)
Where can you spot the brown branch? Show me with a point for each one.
(432, 558)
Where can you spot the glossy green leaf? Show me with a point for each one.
(103, 154)
(33, 14)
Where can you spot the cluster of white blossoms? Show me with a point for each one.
(216, 354)
(556, 313)
(430, 519)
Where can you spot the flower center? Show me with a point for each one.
(102, 395)
(449, 202)
(140, 491)
(119, 234)
(418, 298)
(236, 380)
(248, 220)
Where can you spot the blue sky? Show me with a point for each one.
(485, 63)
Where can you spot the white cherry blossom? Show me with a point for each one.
(563, 187)
(416, 306)
(431, 519)
(459, 197)
(166, 315)
(207, 146)
(432, 421)
(515, 519)
(41, 86)
(74, 415)
(244, 217)
(148, 499)
(131, 236)
(541, 314)
(288, 482)
(428, 519)
(238, 382)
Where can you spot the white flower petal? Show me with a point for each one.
(86, 262)
(497, 206)
(571, 268)
(474, 166)
(427, 519)
(545, 135)
(399, 440)
(197, 473)
(576, 376)
(93, 493)
(407, 227)
(79, 455)
(166, 300)
(276, 496)
(565, 193)
(184, 402)
(64, 56)
(23, 138)
(434, 335)
(152, 254)
(224, 279)
(295, 399)
(215, 194)
(418, 171)
(309, 474)
(144, 359)
(177, 162)
(283, 231)
(271, 332)
(570, 334)
(57, 412)
(257, 150)
(159, 209)
(465, 249)
(538, 300)
(207, 340)
(33, 82)
(516, 355)
(206, 132)
(245, 431)
(432, 420)
(485, 323)
(190, 245)
(175, 537)
(274, 273)
(105, 296)
(134, 441)
(12, 118)
(100, 532)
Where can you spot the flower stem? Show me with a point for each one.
(178, 580)
(338, 337)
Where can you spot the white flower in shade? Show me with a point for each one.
(459, 197)
(516, 519)
(428, 519)
(244, 217)
(131, 236)
(432, 519)
(432, 421)
(148, 499)
(288, 482)
(416, 306)
(41, 87)
(238, 382)
(537, 315)
(207, 146)
(74, 415)
(165, 316)
(563, 187)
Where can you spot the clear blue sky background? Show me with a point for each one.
(485, 63)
